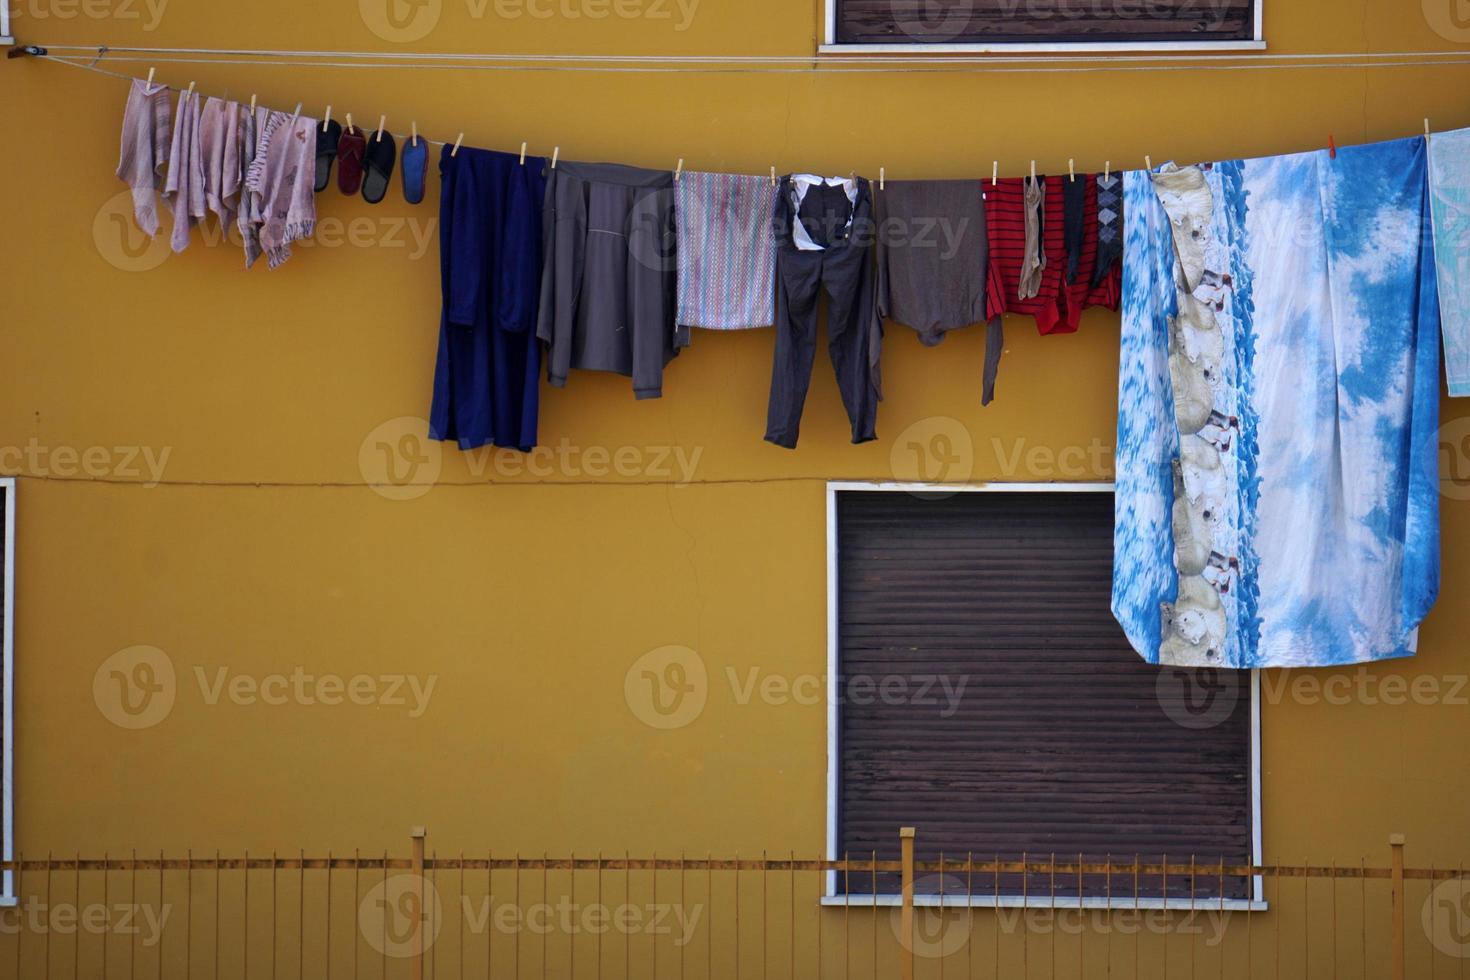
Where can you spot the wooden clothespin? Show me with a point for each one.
(455, 150)
(1148, 164)
(413, 129)
(555, 152)
(679, 168)
(1426, 127)
(151, 70)
(1033, 171)
(1331, 147)
(994, 172)
(350, 128)
(881, 177)
(1107, 169)
(773, 176)
(1071, 173)
(327, 118)
(382, 121)
(523, 154)
(252, 103)
(190, 92)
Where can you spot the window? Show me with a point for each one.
(1042, 25)
(986, 696)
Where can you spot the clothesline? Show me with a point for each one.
(1174, 61)
(92, 65)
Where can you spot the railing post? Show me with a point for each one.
(416, 937)
(906, 913)
(1396, 873)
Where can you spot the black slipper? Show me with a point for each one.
(377, 166)
(327, 136)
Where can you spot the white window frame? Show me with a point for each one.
(7, 699)
(5, 38)
(832, 897)
(830, 44)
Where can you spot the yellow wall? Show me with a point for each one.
(526, 599)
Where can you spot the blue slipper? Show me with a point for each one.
(414, 163)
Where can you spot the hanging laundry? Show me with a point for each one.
(1033, 259)
(726, 250)
(281, 180)
(249, 219)
(824, 240)
(1109, 193)
(1074, 218)
(1058, 303)
(184, 187)
(932, 262)
(1277, 497)
(608, 283)
(490, 241)
(219, 146)
(1449, 190)
(931, 255)
(146, 141)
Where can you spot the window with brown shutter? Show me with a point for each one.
(1061, 23)
(987, 697)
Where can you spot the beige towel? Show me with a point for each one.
(219, 146)
(281, 185)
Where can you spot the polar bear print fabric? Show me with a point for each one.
(1278, 401)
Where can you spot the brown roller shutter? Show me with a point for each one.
(1048, 21)
(1061, 738)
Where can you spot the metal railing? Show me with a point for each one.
(620, 917)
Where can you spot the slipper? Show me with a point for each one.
(415, 162)
(327, 137)
(349, 160)
(378, 166)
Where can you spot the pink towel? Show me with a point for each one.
(184, 189)
(145, 146)
(251, 126)
(281, 182)
(219, 145)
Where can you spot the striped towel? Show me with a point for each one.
(727, 250)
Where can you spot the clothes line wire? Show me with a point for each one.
(1173, 59)
(92, 65)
